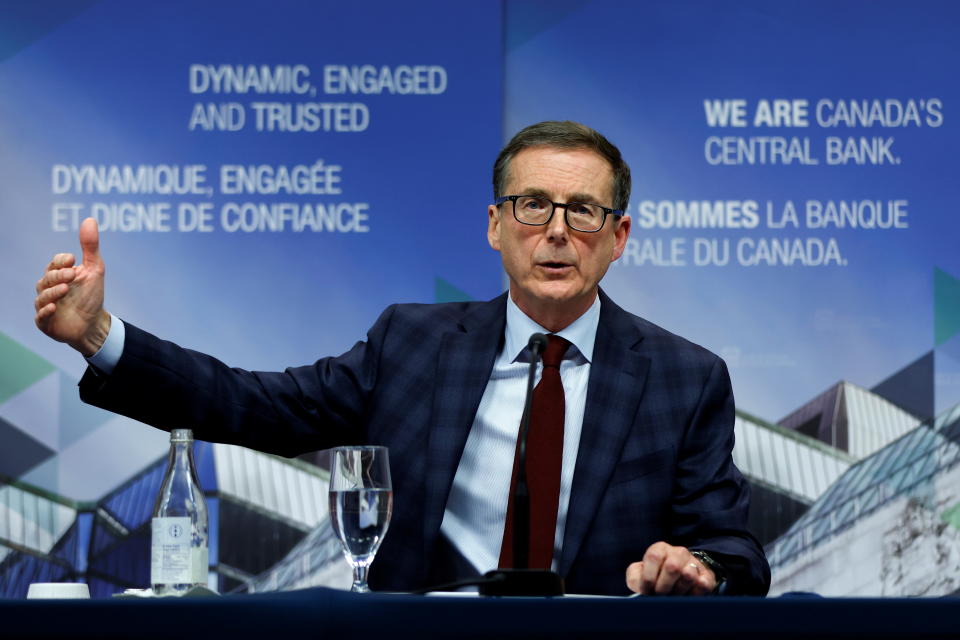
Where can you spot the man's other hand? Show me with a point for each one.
(69, 302)
(669, 570)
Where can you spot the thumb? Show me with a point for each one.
(90, 242)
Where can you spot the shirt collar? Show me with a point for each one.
(581, 333)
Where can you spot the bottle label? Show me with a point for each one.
(173, 559)
(201, 563)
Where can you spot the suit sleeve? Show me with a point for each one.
(290, 412)
(712, 499)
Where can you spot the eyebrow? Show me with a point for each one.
(574, 197)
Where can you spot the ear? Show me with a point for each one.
(620, 235)
(493, 226)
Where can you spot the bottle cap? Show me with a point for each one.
(181, 435)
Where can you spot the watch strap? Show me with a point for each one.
(709, 562)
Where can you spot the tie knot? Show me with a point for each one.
(556, 347)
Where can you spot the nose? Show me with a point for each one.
(557, 227)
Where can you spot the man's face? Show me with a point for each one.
(554, 270)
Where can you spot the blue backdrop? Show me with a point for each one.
(401, 106)
(730, 114)
(791, 328)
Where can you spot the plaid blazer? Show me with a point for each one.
(655, 451)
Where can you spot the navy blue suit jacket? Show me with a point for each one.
(654, 461)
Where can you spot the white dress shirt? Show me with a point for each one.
(112, 348)
(477, 507)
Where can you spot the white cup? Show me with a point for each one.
(58, 590)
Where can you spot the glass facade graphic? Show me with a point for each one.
(790, 462)
(317, 560)
(260, 507)
(893, 515)
(793, 465)
(38, 538)
(905, 466)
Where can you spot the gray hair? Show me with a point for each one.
(564, 135)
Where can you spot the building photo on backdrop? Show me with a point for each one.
(268, 177)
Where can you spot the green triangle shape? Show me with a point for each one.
(946, 306)
(21, 367)
(952, 515)
(443, 291)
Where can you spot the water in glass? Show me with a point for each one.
(361, 517)
(361, 502)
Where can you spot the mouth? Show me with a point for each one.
(554, 267)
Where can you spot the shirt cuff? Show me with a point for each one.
(109, 354)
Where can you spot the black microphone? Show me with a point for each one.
(521, 580)
(521, 494)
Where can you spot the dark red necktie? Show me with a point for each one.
(544, 459)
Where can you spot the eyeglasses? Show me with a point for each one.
(579, 216)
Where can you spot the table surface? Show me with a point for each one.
(322, 612)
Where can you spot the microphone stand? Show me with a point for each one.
(521, 580)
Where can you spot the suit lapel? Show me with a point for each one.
(617, 377)
(464, 363)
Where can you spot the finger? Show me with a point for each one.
(702, 587)
(705, 584)
(90, 242)
(50, 294)
(652, 564)
(671, 571)
(688, 579)
(43, 314)
(634, 575)
(57, 262)
(55, 277)
(60, 261)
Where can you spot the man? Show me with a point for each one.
(647, 497)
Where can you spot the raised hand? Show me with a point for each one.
(69, 302)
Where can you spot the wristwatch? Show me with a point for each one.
(717, 568)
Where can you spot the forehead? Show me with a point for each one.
(561, 173)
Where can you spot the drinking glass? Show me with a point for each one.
(361, 502)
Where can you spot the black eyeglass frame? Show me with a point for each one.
(566, 212)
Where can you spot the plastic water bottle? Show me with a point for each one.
(179, 549)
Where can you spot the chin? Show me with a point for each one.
(557, 295)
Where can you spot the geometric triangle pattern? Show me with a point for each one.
(946, 306)
(26, 22)
(35, 411)
(443, 291)
(45, 475)
(18, 451)
(947, 379)
(528, 19)
(21, 367)
(950, 348)
(91, 466)
(952, 515)
(912, 388)
(77, 419)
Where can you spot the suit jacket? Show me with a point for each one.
(655, 452)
